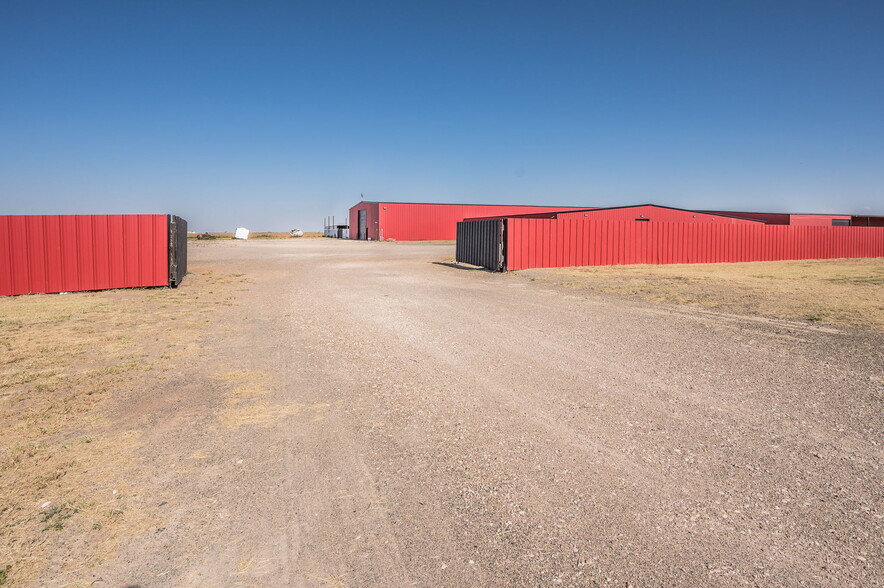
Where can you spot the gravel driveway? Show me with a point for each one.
(368, 414)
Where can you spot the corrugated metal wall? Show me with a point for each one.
(438, 222)
(815, 220)
(533, 243)
(177, 250)
(82, 252)
(371, 220)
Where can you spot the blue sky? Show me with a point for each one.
(273, 115)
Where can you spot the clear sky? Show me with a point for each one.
(273, 115)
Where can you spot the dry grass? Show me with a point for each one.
(62, 358)
(839, 292)
(247, 403)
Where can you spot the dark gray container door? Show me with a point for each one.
(177, 249)
(482, 243)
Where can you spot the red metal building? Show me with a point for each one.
(658, 235)
(66, 253)
(654, 213)
(799, 220)
(411, 221)
(565, 242)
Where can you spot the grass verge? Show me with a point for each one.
(68, 483)
(847, 292)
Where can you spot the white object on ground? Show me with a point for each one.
(241, 233)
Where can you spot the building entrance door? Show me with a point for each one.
(363, 230)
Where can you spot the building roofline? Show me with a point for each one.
(460, 204)
(655, 206)
(726, 213)
(790, 213)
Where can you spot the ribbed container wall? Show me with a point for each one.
(177, 250)
(536, 243)
(67, 253)
(480, 242)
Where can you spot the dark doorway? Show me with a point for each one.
(363, 230)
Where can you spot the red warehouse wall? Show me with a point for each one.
(815, 220)
(429, 222)
(653, 213)
(371, 213)
(533, 243)
(41, 254)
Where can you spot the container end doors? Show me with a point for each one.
(482, 243)
(177, 249)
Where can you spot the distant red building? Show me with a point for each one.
(412, 221)
(651, 234)
(799, 220)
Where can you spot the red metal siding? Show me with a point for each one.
(371, 220)
(654, 214)
(563, 242)
(815, 220)
(431, 222)
(551, 214)
(40, 254)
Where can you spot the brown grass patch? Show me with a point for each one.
(62, 357)
(248, 402)
(840, 292)
(259, 414)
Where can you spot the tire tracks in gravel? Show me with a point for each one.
(733, 416)
(415, 424)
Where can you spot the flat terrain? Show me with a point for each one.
(832, 291)
(333, 413)
(257, 235)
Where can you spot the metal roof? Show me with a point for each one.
(463, 204)
(638, 206)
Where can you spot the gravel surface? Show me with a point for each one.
(369, 414)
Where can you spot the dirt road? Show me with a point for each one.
(365, 416)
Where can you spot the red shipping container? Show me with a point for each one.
(569, 241)
(66, 253)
